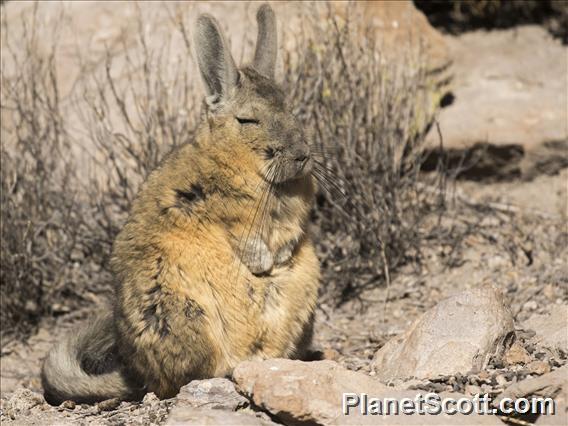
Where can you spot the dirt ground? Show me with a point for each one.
(520, 247)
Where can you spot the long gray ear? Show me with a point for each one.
(216, 64)
(266, 42)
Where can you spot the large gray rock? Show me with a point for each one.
(299, 392)
(459, 334)
(551, 329)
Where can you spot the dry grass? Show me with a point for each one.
(368, 119)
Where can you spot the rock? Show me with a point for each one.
(501, 380)
(299, 392)
(531, 305)
(297, 388)
(560, 417)
(214, 393)
(538, 367)
(472, 390)
(551, 329)
(551, 385)
(211, 402)
(506, 87)
(68, 405)
(516, 354)
(330, 354)
(459, 334)
(206, 417)
(112, 404)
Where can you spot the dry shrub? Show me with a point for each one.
(40, 217)
(369, 114)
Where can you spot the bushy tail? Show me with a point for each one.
(84, 368)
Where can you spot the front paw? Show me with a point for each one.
(258, 258)
(284, 254)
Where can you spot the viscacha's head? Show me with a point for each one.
(246, 106)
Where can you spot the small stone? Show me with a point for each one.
(483, 375)
(516, 354)
(330, 354)
(530, 306)
(549, 291)
(68, 405)
(472, 390)
(501, 380)
(150, 398)
(538, 367)
(216, 393)
(109, 404)
(31, 306)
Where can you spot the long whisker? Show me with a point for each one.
(324, 167)
(262, 223)
(259, 228)
(258, 206)
(324, 178)
(336, 193)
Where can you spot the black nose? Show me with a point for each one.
(301, 153)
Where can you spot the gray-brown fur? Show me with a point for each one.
(214, 265)
(84, 367)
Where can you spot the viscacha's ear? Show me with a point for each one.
(216, 64)
(266, 42)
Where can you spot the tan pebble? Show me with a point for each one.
(69, 405)
(109, 404)
(330, 354)
(549, 291)
(501, 380)
(516, 354)
(472, 389)
(538, 367)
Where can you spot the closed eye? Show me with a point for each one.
(242, 120)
